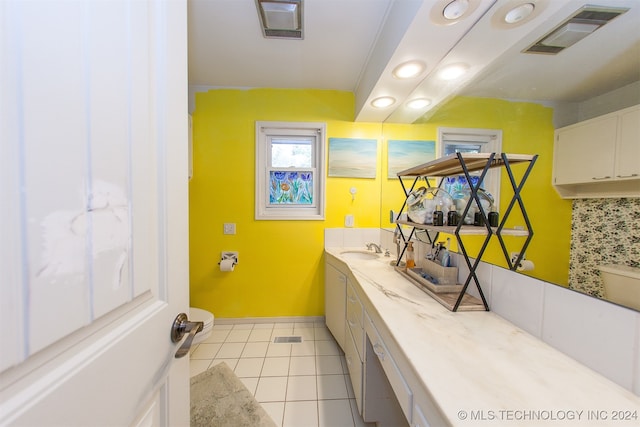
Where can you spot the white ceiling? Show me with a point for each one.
(352, 45)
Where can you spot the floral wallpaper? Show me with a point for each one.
(603, 231)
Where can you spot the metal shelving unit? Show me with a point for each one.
(465, 164)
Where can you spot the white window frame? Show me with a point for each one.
(490, 141)
(265, 131)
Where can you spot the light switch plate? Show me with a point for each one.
(229, 228)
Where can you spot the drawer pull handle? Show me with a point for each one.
(352, 299)
(627, 176)
(379, 351)
(597, 178)
(351, 323)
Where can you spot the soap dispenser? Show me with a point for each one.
(411, 258)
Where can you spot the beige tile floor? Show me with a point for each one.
(298, 384)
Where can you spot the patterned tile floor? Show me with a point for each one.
(299, 384)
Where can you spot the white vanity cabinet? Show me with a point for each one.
(355, 367)
(335, 288)
(383, 379)
(377, 383)
(355, 318)
(354, 350)
(599, 157)
(344, 318)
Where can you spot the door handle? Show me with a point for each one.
(181, 326)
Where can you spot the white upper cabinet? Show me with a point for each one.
(628, 158)
(599, 157)
(585, 152)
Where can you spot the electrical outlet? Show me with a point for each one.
(229, 228)
(348, 220)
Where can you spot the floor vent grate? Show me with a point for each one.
(279, 340)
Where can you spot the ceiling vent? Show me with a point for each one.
(584, 22)
(280, 18)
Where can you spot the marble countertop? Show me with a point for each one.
(478, 361)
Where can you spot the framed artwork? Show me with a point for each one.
(352, 157)
(407, 154)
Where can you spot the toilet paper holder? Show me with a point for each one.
(523, 265)
(232, 255)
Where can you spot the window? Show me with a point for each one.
(461, 140)
(290, 170)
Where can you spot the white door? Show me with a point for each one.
(93, 204)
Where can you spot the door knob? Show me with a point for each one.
(181, 326)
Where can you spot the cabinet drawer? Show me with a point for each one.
(354, 306)
(355, 320)
(354, 365)
(398, 384)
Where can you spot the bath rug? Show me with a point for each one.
(220, 399)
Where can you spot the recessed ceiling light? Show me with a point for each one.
(519, 13)
(409, 69)
(383, 101)
(455, 9)
(418, 103)
(452, 72)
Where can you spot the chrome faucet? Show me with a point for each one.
(371, 246)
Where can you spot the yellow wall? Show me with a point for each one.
(527, 128)
(280, 270)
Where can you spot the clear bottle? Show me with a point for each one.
(411, 257)
(468, 219)
(438, 216)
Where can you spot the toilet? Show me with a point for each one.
(621, 284)
(200, 315)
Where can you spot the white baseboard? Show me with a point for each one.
(284, 319)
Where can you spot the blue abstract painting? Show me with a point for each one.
(407, 154)
(352, 157)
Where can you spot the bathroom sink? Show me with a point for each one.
(359, 254)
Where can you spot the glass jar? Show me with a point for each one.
(422, 202)
(461, 199)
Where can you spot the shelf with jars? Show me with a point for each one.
(434, 210)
